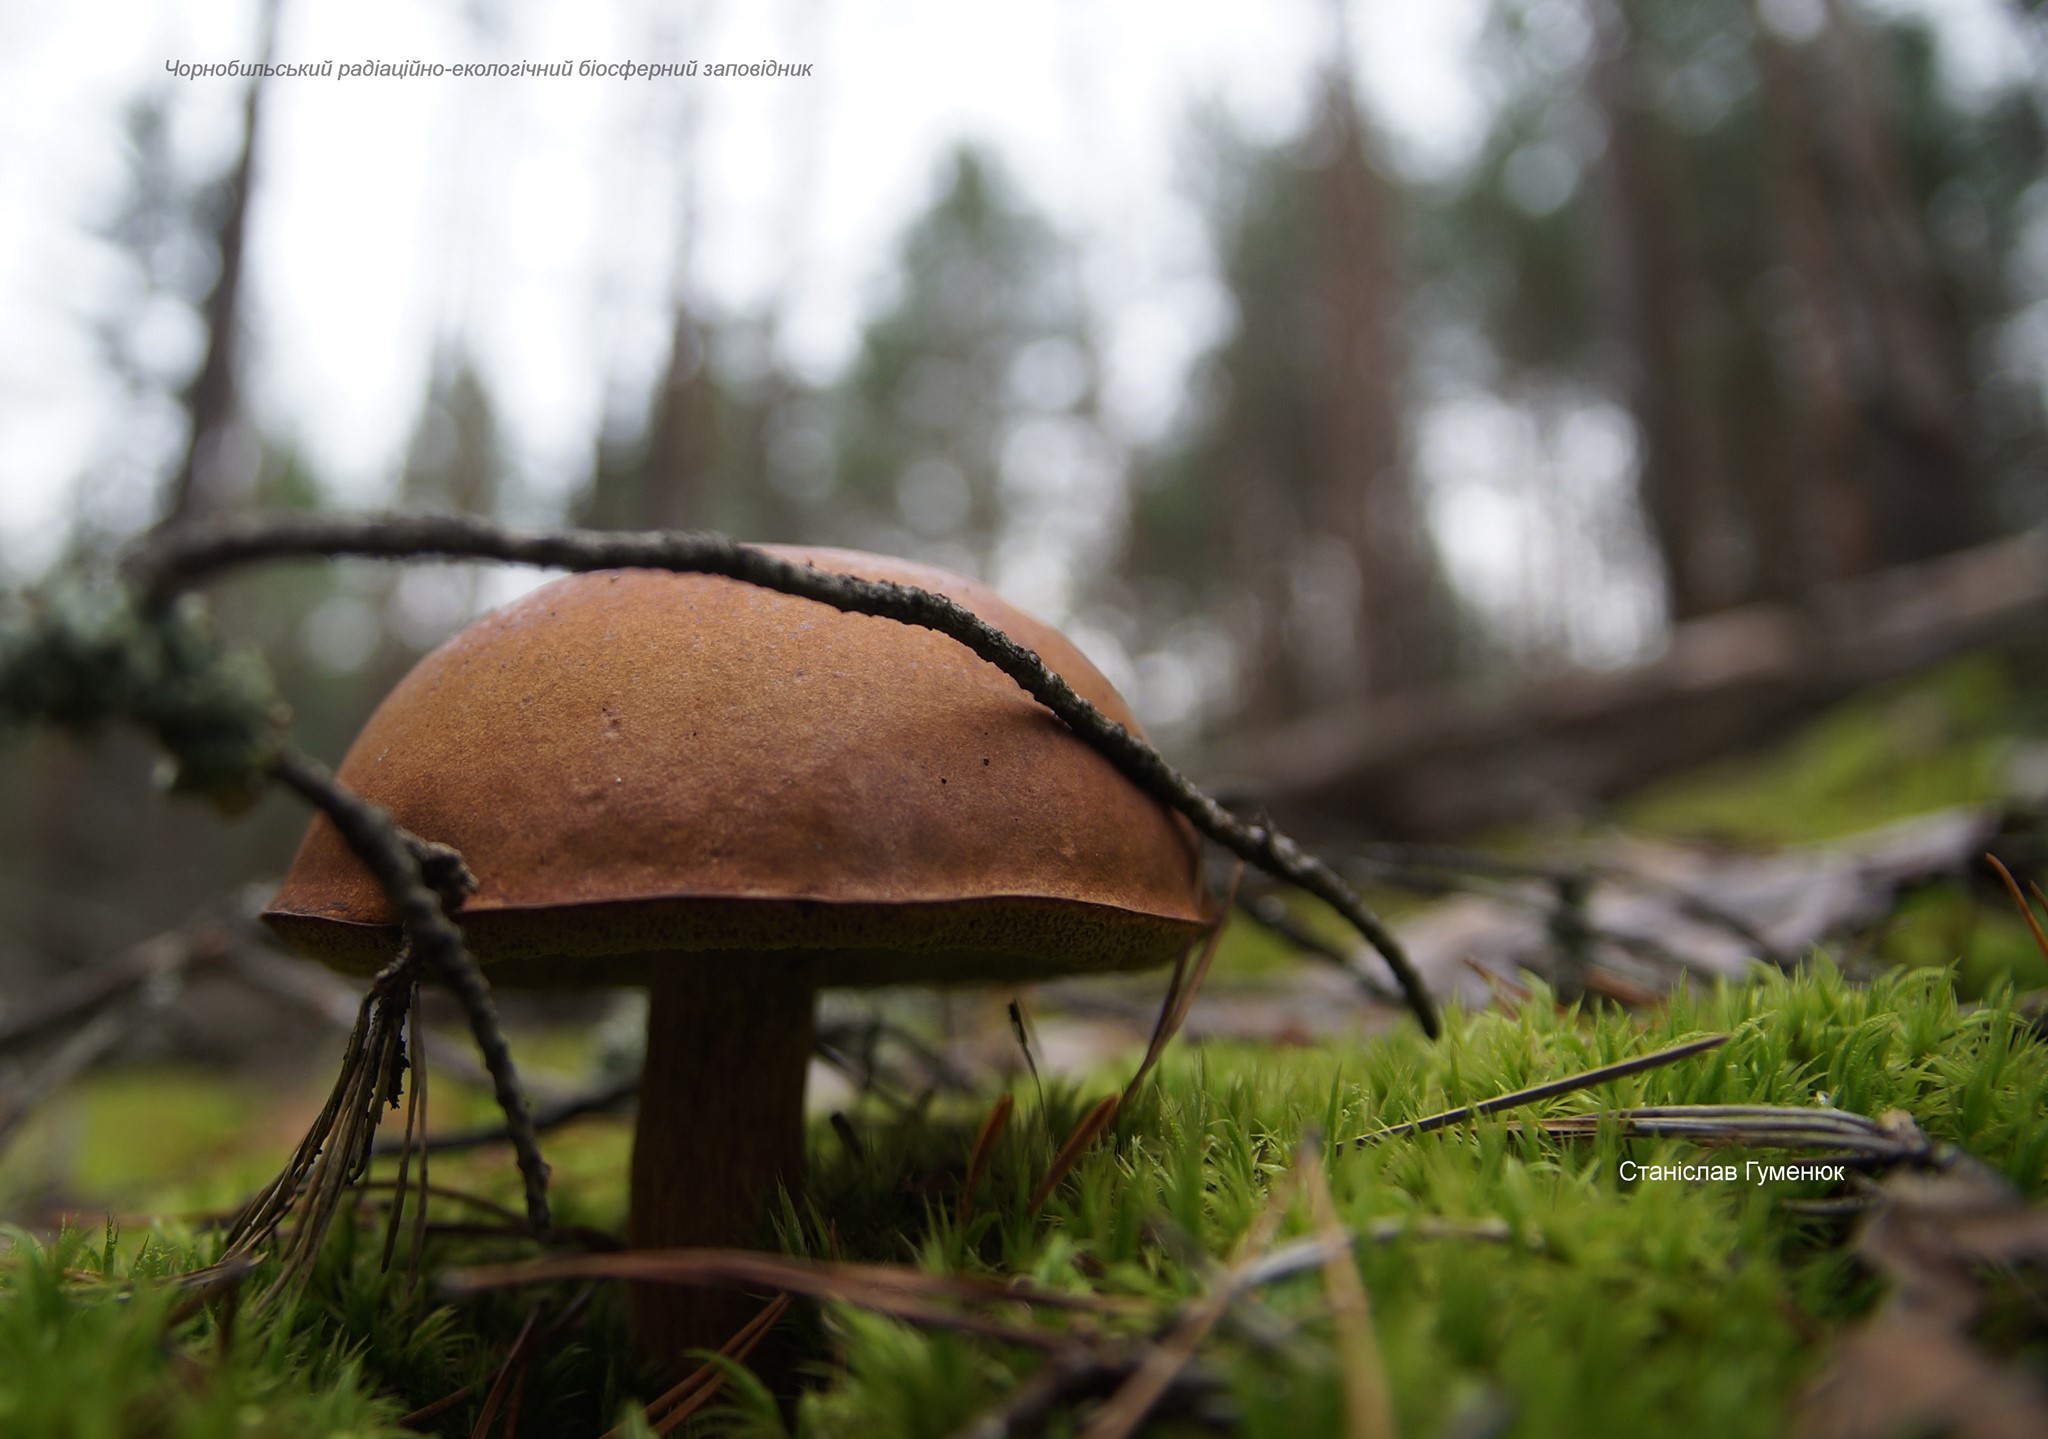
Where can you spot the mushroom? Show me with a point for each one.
(735, 797)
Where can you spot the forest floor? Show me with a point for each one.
(1241, 1249)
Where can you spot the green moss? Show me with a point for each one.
(88, 1348)
(171, 1139)
(1984, 938)
(1621, 1308)
(1618, 1307)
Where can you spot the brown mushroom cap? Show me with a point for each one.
(637, 763)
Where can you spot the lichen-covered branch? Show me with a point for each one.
(85, 655)
(171, 561)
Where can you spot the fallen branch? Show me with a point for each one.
(77, 998)
(101, 1008)
(1705, 910)
(1437, 764)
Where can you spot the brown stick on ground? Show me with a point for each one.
(721, 1125)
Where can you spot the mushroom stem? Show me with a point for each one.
(721, 1124)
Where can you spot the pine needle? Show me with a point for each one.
(1549, 1090)
(702, 1384)
(1368, 1404)
(2020, 903)
(984, 1145)
(1085, 1134)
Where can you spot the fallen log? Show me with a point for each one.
(1438, 765)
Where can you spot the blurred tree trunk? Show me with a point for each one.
(207, 477)
(454, 464)
(1336, 577)
(1874, 369)
(1662, 301)
(680, 442)
(662, 479)
(1361, 498)
(1259, 547)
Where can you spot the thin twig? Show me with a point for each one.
(1089, 1370)
(1081, 1372)
(1180, 997)
(1085, 1132)
(436, 1408)
(401, 864)
(1550, 1090)
(851, 1048)
(1173, 1012)
(78, 997)
(1444, 869)
(335, 1152)
(604, 1099)
(173, 560)
(86, 1047)
(417, 1261)
(510, 1219)
(1283, 1261)
(323, 995)
(219, 1279)
(401, 1188)
(570, 1313)
(1270, 912)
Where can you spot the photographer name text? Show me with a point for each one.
(1749, 1171)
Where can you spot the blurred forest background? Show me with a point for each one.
(1734, 306)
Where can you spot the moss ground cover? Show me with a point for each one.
(1610, 1307)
